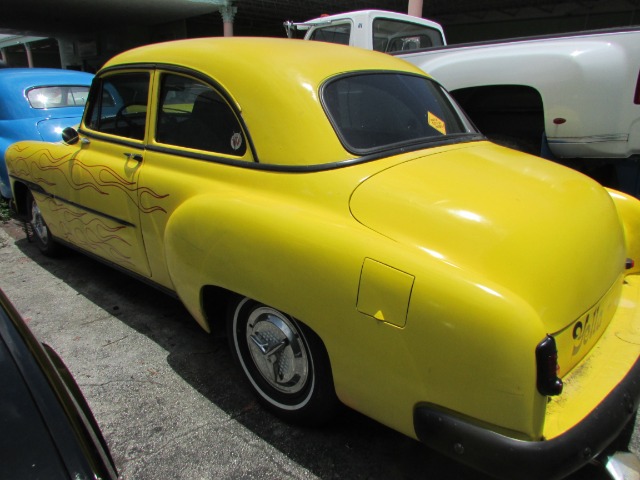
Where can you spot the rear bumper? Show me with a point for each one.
(507, 458)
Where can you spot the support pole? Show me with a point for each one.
(228, 13)
(415, 8)
(27, 49)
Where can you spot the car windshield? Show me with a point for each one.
(57, 96)
(376, 111)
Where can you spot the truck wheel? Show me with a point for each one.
(38, 230)
(285, 362)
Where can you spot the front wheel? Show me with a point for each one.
(284, 361)
(37, 229)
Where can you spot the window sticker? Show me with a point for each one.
(236, 141)
(436, 123)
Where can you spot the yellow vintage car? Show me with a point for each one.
(360, 242)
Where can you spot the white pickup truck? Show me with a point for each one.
(565, 97)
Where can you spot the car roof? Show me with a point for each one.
(275, 84)
(15, 81)
(21, 78)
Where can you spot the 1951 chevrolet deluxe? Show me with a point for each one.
(360, 242)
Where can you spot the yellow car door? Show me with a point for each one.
(107, 167)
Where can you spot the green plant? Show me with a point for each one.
(4, 210)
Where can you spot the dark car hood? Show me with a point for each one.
(25, 436)
(46, 428)
(541, 231)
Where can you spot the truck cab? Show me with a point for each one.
(552, 95)
(378, 30)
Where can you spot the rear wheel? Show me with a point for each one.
(37, 229)
(285, 362)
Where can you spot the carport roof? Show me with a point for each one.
(51, 18)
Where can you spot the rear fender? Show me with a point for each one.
(311, 264)
(262, 248)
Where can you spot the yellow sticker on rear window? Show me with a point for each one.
(436, 123)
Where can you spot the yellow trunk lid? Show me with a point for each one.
(532, 228)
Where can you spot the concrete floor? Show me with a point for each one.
(169, 399)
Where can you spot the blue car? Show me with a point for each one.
(37, 104)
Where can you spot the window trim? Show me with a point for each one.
(95, 93)
(155, 69)
(422, 142)
(248, 154)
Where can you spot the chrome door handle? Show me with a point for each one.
(134, 156)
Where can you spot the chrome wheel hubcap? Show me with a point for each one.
(277, 350)
(38, 224)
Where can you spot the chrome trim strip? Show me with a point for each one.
(619, 137)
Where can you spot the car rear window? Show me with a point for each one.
(391, 35)
(333, 34)
(57, 96)
(375, 111)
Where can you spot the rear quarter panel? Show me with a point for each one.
(475, 356)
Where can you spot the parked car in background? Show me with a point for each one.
(46, 428)
(335, 212)
(36, 104)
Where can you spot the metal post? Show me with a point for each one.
(415, 8)
(228, 12)
(27, 49)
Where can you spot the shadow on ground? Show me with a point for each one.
(352, 446)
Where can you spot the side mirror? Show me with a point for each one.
(70, 136)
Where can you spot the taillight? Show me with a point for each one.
(547, 364)
(636, 97)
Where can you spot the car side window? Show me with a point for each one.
(119, 105)
(192, 114)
